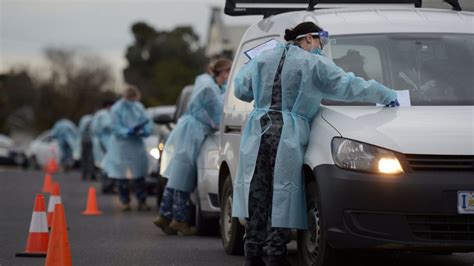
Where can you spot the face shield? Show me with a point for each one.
(322, 35)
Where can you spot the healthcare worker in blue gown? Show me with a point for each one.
(102, 131)
(183, 146)
(287, 84)
(126, 159)
(87, 158)
(67, 135)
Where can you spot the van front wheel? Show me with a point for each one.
(313, 248)
(232, 232)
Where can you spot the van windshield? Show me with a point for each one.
(437, 69)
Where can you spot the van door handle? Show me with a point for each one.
(233, 129)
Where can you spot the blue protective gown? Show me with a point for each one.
(102, 131)
(68, 138)
(83, 123)
(127, 158)
(185, 141)
(306, 79)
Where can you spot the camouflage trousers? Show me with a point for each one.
(259, 233)
(175, 205)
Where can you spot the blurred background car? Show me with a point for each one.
(10, 153)
(42, 149)
(155, 143)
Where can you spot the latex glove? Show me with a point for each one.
(393, 104)
(131, 132)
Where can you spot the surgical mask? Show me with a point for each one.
(224, 86)
(317, 51)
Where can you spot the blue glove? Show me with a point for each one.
(131, 132)
(393, 104)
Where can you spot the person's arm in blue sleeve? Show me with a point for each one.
(212, 105)
(243, 82)
(336, 84)
(146, 129)
(118, 128)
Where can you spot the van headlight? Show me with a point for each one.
(155, 153)
(357, 156)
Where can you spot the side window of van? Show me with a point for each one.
(232, 103)
(363, 60)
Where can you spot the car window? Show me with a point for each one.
(363, 60)
(435, 68)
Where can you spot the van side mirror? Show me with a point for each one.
(163, 119)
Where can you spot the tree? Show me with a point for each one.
(161, 63)
(76, 84)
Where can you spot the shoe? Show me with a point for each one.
(183, 228)
(144, 207)
(254, 261)
(126, 207)
(164, 224)
(278, 261)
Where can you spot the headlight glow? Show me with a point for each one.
(357, 156)
(155, 153)
(161, 146)
(390, 166)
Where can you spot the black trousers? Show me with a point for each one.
(259, 233)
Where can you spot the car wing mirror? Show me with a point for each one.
(163, 119)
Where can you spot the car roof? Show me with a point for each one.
(162, 109)
(346, 21)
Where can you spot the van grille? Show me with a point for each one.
(442, 227)
(457, 163)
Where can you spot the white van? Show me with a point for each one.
(352, 204)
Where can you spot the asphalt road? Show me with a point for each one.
(117, 238)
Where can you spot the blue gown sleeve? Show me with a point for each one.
(338, 85)
(212, 105)
(243, 82)
(148, 127)
(118, 127)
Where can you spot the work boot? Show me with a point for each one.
(278, 261)
(126, 207)
(143, 207)
(183, 228)
(254, 261)
(164, 224)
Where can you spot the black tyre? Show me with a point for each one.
(204, 227)
(313, 248)
(160, 188)
(232, 232)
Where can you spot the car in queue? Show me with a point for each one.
(375, 178)
(10, 153)
(42, 149)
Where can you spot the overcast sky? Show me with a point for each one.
(98, 26)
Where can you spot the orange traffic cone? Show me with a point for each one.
(37, 244)
(54, 199)
(59, 252)
(52, 166)
(91, 208)
(48, 183)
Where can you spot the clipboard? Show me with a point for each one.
(257, 50)
(140, 125)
